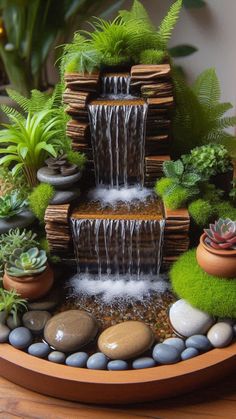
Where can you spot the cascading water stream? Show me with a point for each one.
(118, 142)
(116, 85)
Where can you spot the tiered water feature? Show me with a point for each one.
(123, 242)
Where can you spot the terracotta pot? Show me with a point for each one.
(215, 262)
(30, 287)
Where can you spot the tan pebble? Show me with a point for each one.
(126, 340)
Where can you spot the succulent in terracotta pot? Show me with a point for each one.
(61, 165)
(216, 253)
(28, 273)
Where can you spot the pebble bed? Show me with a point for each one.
(162, 344)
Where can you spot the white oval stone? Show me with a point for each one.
(187, 320)
(220, 335)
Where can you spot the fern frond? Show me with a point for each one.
(166, 27)
(8, 111)
(226, 122)
(219, 109)
(137, 13)
(207, 88)
(21, 100)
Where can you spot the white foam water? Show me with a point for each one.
(121, 289)
(113, 196)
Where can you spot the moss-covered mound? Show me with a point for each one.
(216, 296)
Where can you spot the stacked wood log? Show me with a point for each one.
(57, 226)
(80, 89)
(176, 235)
(154, 84)
(154, 169)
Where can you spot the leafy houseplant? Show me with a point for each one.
(11, 205)
(214, 163)
(11, 303)
(216, 253)
(178, 186)
(28, 273)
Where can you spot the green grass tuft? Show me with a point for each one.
(39, 199)
(152, 56)
(225, 210)
(162, 185)
(211, 294)
(74, 157)
(177, 198)
(201, 212)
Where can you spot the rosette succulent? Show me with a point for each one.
(11, 204)
(31, 262)
(222, 235)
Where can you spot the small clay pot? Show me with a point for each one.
(215, 262)
(30, 287)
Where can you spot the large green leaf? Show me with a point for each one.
(189, 4)
(182, 50)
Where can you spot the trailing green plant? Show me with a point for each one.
(209, 160)
(12, 303)
(202, 212)
(11, 204)
(29, 142)
(129, 38)
(40, 198)
(221, 235)
(26, 263)
(201, 102)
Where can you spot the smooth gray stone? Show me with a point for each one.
(117, 365)
(44, 175)
(199, 342)
(189, 353)
(176, 342)
(21, 220)
(78, 359)
(3, 316)
(13, 323)
(4, 333)
(39, 349)
(64, 197)
(144, 362)
(97, 361)
(165, 354)
(35, 320)
(20, 338)
(57, 357)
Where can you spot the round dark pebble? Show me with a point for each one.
(39, 349)
(200, 342)
(4, 333)
(78, 359)
(117, 365)
(13, 322)
(20, 338)
(36, 320)
(165, 354)
(97, 361)
(189, 353)
(144, 362)
(57, 357)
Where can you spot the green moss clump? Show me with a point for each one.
(211, 294)
(39, 199)
(152, 56)
(177, 198)
(201, 212)
(225, 210)
(162, 185)
(74, 157)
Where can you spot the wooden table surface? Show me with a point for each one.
(218, 401)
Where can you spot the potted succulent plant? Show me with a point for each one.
(14, 212)
(216, 253)
(28, 273)
(213, 162)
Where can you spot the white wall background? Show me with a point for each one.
(213, 30)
